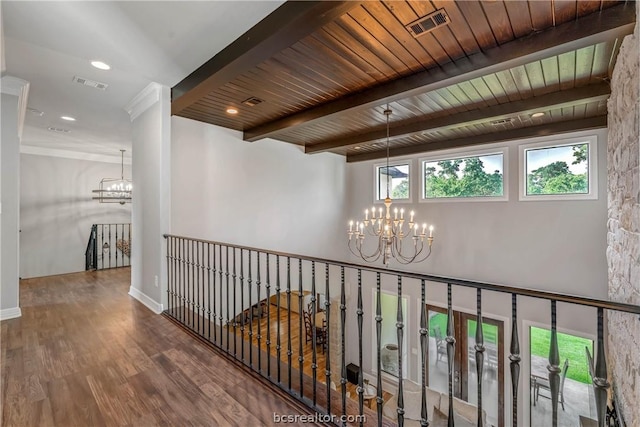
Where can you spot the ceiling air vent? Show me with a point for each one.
(252, 102)
(90, 83)
(428, 23)
(502, 121)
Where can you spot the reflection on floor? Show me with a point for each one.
(579, 400)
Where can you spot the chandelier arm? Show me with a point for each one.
(368, 258)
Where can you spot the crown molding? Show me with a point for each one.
(68, 154)
(144, 100)
(17, 87)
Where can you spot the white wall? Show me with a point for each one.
(266, 194)
(57, 211)
(150, 113)
(10, 165)
(549, 245)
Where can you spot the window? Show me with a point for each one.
(562, 170)
(397, 177)
(478, 176)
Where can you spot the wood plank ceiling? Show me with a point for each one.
(324, 71)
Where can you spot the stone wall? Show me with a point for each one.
(623, 239)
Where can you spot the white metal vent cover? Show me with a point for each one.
(428, 23)
(90, 83)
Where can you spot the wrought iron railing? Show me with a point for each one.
(226, 294)
(109, 246)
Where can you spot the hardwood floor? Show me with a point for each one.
(84, 353)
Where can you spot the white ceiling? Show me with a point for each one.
(49, 42)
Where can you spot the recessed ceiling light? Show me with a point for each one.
(35, 112)
(68, 118)
(538, 114)
(100, 65)
(231, 110)
(59, 130)
(357, 147)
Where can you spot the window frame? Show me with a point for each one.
(376, 178)
(462, 153)
(592, 168)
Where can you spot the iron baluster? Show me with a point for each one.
(278, 338)
(554, 366)
(514, 357)
(327, 313)
(235, 306)
(600, 382)
(479, 347)
(213, 306)
(110, 245)
(242, 320)
(116, 251)
(209, 290)
(268, 287)
(424, 351)
(314, 356)
(198, 284)
(343, 362)
(378, 348)
(400, 333)
(259, 312)
(300, 353)
(289, 349)
(226, 308)
(249, 291)
(451, 348)
(360, 313)
(220, 284)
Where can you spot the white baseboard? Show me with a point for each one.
(10, 313)
(146, 300)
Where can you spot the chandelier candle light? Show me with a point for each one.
(390, 231)
(114, 190)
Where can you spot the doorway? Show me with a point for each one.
(464, 370)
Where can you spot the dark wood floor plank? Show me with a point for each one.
(84, 353)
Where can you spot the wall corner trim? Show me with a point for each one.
(146, 300)
(17, 87)
(10, 313)
(144, 100)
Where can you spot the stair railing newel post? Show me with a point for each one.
(600, 382)
(327, 312)
(479, 347)
(400, 333)
(360, 313)
(379, 399)
(343, 362)
(424, 351)
(451, 348)
(554, 365)
(514, 357)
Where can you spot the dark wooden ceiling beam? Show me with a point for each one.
(606, 25)
(288, 24)
(555, 100)
(590, 123)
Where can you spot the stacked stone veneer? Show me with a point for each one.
(623, 239)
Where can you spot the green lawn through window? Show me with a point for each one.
(571, 347)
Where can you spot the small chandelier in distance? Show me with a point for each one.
(391, 232)
(114, 190)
